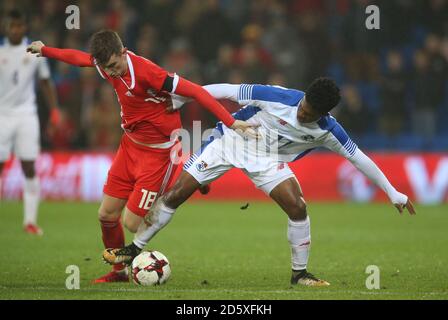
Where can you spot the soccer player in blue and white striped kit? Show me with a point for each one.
(291, 123)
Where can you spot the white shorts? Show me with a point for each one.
(209, 164)
(21, 135)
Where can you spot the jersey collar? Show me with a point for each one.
(131, 71)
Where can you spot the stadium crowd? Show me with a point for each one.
(394, 81)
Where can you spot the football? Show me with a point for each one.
(150, 268)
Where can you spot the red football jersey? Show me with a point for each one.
(142, 100)
(143, 104)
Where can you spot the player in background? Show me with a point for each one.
(19, 122)
(300, 122)
(142, 168)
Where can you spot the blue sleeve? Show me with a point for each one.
(250, 93)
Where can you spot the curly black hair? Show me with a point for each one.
(16, 14)
(323, 95)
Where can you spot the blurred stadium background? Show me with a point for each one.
(395, 106)
(394, 82)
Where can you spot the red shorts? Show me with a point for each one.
(139, 174)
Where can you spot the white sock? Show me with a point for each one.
(31, 195)
(299, 237)
(161, 216)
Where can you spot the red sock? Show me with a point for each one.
(113, 237)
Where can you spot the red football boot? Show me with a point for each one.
(33, 229)
(113, 276)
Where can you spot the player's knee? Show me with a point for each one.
(108, 214)
(174, 198)
(28, 171)
(298, 210)
(132, 227)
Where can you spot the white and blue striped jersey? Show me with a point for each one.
(275, 109)
(18, 70)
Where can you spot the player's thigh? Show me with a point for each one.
(152, 179)
(27, 139)
(111, 208)
(131, 220)
(8, 128)
(202, 168)
(289, 197)
(207, 164)
(280, 183)
(119, 184)
(183, 188)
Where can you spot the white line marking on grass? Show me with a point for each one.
(290, 291)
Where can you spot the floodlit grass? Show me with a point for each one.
(218, 251)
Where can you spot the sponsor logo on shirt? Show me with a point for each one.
(308, 137)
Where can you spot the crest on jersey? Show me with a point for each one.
(154, 96)
(201, 166)
(282, 122)
(308, 138)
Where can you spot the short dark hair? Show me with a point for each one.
(323, 95)
(16, 15)
(104, 44)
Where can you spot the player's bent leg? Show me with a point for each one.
(31, 198)
(160, 214)
(184, 187)
(109, 215)
(289, 196)
(126, 254)
(131, 220)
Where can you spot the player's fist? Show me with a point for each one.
(401, 201)
(246, 128)
(36, 48)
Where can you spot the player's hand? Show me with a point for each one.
(401, 201)
(175, 102)
(36, 48)
(170, 108)
(246, 129)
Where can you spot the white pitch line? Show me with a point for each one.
(291, 291)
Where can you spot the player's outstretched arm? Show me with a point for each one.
(217, 91)
(364, 164)
(191, 90)
(70, 56)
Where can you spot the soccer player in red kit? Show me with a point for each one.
(142, 167)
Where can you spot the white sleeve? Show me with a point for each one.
(339, 142)
(217, 91)
(43, 70)
(223, 91)
(364, 164)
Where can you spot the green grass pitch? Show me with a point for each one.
(218, 251)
